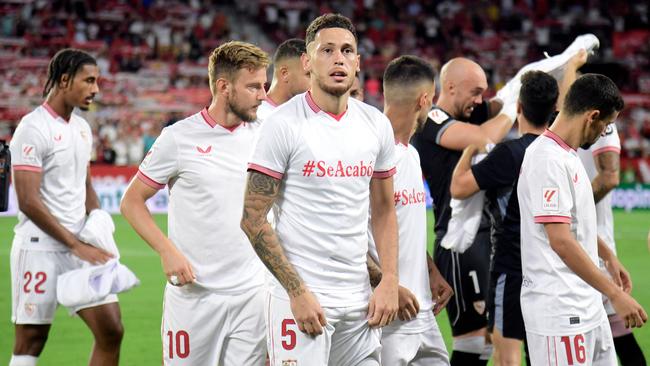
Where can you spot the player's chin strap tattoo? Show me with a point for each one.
(261, 192)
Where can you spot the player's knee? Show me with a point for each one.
(111, 335)
(30, 341)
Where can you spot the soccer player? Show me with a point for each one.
(50, 160)
(497, 175)
(601, 162)
(440, 144)
(324, 157)
(213, 304)
(563, 313)
(409, 88)
(289, 78)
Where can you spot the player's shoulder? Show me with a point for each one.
(363, 111)
(438, 116)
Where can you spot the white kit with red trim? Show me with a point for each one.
(608, 142)
(554, 188)
(411, 210)
(59, 149)
(204, 165)
(267, 106)
(325, 162)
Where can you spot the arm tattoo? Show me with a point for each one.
(608, 166)
(261, 192)
(374, 272)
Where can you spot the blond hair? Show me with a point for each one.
(232, 56)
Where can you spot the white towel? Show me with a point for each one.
(465, 217)
(92, 283)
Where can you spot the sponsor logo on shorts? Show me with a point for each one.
(30, 309)
(320, 168)
(479, 306)
(289, 362)
(526, 282)
(550, 201)
(574, 320)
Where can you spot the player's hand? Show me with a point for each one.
(408, 304)
(308, 313)
(629, 310)
(578, 59)
(176, 267)
(90, 253)
(619, 274)
(384, 302)
(440, 290)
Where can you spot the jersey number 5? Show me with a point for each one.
(291, 334)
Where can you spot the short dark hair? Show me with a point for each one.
(538, 97)
(593, 92)
(291, 48)
(329, 21)
(67, 61)
(408, 70)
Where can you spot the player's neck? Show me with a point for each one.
(57, 103)
(224, 119)
(445, 103)
(276, 95)
(328, 102)
(402, 122)
(569, 131)
(527, 127)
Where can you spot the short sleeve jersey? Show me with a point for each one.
(325, 162)
(59, 149)
(410, 207)
(608, 142)
(265, 108)
(554, 188)
(204, 166)
(497, 174)
(438, 162)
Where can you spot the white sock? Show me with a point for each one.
(23, 360)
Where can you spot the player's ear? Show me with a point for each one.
(284, 74)
(519, 107)
(593, 116)
(64, 82)
(358, 63)
(306, 61)
(223, 87)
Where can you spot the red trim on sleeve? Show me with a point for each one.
(384, 174)
(267, 171)
(606, 149)
(547, 219)
(29, 168)
(148, 181)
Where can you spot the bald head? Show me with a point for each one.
(463, 83)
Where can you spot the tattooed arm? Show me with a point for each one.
(261, 192)
(608, 166)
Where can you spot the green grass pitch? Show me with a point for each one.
(70, 341)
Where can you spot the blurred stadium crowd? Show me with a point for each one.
(153, 53)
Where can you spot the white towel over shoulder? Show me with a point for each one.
(92, 283)
(465, 217)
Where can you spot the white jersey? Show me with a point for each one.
(204, 165)
(411, 210)
(266, 108)
(59, 149)
(609, 141)
(554, 188)
(325, 163)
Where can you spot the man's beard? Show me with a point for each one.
(240, 112)
(336, 91)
